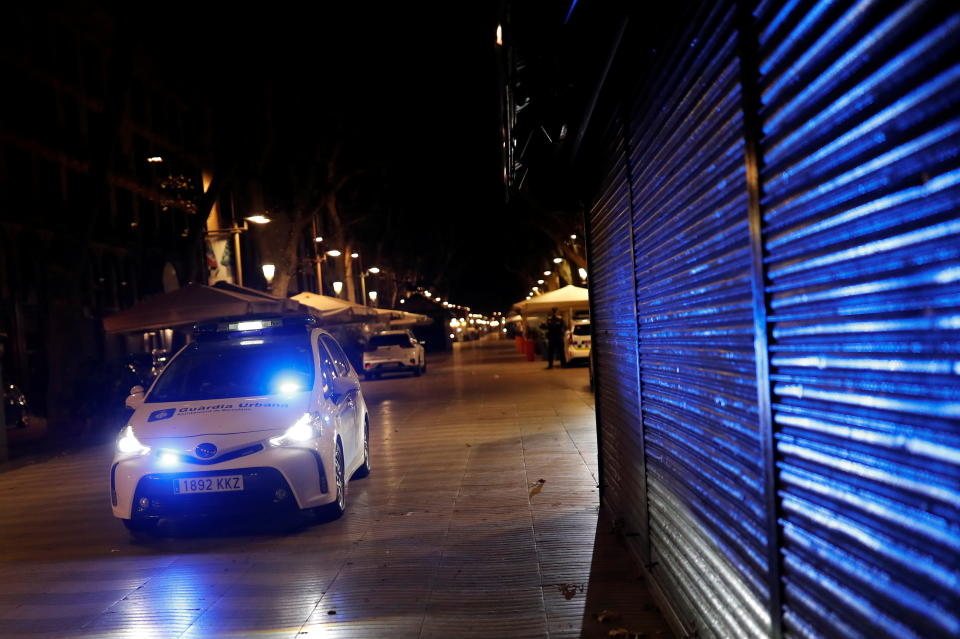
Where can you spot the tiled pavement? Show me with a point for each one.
(479, 520)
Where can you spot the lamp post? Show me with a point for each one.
(373, 298)
(363, 281)
(337, 287)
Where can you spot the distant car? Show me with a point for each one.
(256, 413)
(395, 351)
(578, 341)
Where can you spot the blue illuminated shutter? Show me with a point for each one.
(614, 327)
(861, 209)
(698, 370)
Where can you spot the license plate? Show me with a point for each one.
(220, 484)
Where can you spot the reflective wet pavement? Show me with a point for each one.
(480, 519)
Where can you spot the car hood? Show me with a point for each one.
(218, 416)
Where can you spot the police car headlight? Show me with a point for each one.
(302, 431)
(128, 444)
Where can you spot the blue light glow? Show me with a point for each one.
(288, 387)
(168, 458)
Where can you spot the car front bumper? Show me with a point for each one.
(273, 477)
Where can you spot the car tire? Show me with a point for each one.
(365, 467)
(335, 510)
(141, 525)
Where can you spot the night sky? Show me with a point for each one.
(410, 88)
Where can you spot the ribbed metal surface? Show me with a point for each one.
(862, 234)
(615, 340)
(704, 455)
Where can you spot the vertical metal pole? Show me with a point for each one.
(748, 45)
(317, 258)
(238, 264)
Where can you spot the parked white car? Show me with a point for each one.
(254, 414)
(394, 351)
(578, 341)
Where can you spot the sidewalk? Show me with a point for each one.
(480, 520)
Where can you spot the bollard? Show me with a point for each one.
(518, 340)
(530, 350)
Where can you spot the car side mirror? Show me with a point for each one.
(135, 398)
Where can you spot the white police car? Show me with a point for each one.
(255, 413)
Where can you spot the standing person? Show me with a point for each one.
(555, 328)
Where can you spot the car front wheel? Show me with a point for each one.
(336, 509)
(365, 467)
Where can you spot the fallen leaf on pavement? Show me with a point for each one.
(537, 486)
(569, 591)
(606, 615)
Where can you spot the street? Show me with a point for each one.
(480, 519)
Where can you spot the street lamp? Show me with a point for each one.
(337, 287)
(373, 297)
(583, 274)
(269, 270)
(257, 219)
(557, 260)
(334, 253)
(548, 273)
(539, 281)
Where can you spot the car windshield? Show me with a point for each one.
(397, 339)
(236, 368)
(581, 329)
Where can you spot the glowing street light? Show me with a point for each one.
(337, 287)
(373, 269)
(539, 281)
(583, 273)
(557, 260)
(373, 296)
(269, 270)
(548, 273)
(155, 159)
(499, 35)
(354, 255)
(573, 236)
(257, 219)
(334, 253)
(318, 239)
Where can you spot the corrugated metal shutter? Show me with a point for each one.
(862, 233)
(614, 323)
(705, 472)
